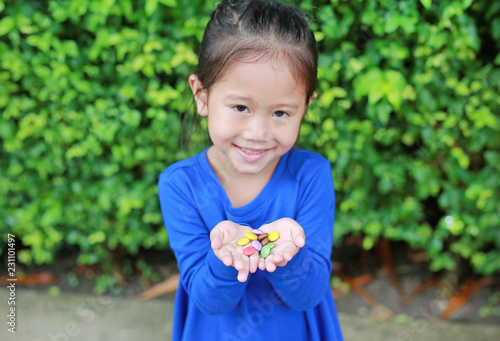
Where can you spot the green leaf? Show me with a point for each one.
(367, 82)
(466, 3)
(426, 3)
(96, 237)
(435, 246)
(328, 125)
(319, 36)
(462, 158)
(397, 84)
(7, 24)
(443, 261)
(151, 6)
(497, 60)
(169, 3)
(384, 113)
(368, 242)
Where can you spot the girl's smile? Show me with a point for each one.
(252, 155)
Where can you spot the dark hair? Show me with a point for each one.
(249, 30)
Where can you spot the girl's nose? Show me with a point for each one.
(258, 129)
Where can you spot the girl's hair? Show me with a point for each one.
(250, 30)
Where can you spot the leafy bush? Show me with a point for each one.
(90, 102)
(92, 92)
(408, 116)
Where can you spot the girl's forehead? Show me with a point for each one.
(263, 80)
(264, 70)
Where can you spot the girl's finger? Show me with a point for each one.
(282, 263)
(277, 258)
(216, 238)
(225, 256)
(300, 240)
(242, 276)
(270, 265)
(288, 253)
(262, 263)
(239, 263)
(253, 262)
(298, 237)
(216, 243)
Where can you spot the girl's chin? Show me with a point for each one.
(254, 168)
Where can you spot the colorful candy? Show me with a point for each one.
(261, 242)
(262, 236)
(248, 251)
(273, 236)
(251, 236)
(257, 245)
(243, 241)
(266, 250)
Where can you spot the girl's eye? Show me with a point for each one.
(280, 114)
(240, 108)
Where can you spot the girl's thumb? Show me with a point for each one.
(300, 240)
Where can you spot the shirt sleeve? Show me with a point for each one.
(303, 282)
(211, 285)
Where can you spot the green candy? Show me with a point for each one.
(266, 249)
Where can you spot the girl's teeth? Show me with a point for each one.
(251, 152)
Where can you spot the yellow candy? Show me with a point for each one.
(243, 241)
(251, 236)
(273, 236)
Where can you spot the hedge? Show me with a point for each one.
(93, 95)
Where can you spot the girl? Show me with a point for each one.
(255, 78)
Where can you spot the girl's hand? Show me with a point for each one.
(291, 239)
(224, 238)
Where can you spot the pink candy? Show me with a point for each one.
(248, 251)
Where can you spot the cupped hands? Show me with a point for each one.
(225, 235)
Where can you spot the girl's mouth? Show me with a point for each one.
(253, 151)
(252, 155)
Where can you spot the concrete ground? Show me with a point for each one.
(41, 317)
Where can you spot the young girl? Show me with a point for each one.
(255, 78)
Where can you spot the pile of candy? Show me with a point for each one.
(261, 241)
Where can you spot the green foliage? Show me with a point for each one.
(90, 96)
(91, 93)
(408, 115)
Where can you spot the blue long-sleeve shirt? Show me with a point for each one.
(292, 303)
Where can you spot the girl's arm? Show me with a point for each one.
(209, 283)
(303, 281)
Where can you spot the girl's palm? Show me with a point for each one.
(291, 239)
(224, 238)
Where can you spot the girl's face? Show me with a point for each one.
(254, 114)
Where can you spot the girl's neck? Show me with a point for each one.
(240, 188)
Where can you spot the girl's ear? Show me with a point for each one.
(313, 97)
(200, 95)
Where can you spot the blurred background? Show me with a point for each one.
(94, 105)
